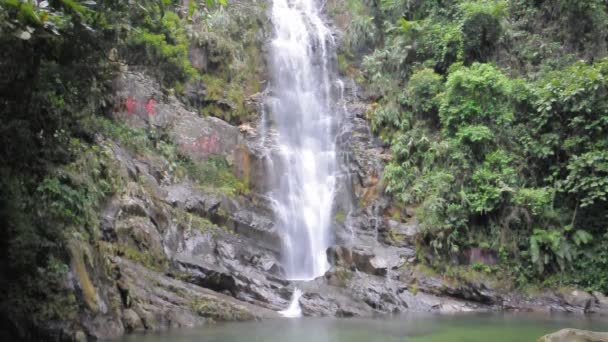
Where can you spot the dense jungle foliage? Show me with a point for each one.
(58, 60)
(496, 113)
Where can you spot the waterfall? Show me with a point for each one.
(301, 59)
(294, 310)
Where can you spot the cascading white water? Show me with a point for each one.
(294, 310)
(301, 53)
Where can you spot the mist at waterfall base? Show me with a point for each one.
(413, 327)
(301, 111)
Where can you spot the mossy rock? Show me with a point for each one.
(575, 335)
(150, 260)
(395, 237)
(79, 255)
(219, 310)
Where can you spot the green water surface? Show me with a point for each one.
(404, 328)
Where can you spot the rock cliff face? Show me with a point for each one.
(173, 253)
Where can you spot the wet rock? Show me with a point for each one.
(131, 321)
(80, 270)
(420, 301)
(434, 284)
(369, 263)
(194, 91)
(80, 336)
(373, 293)
(102, 327)
(238, 215)
(380, 261)
(127, 168)
(267, 264)
(546, 302)
(141, 234)
(600, 298)
(577, 299)
(378, 265)
(198, 57)
(254, 225)
(186, 197)
(231, 264)
(575, 335)
(141, 102)
(207, 275)
(359, 259)
(601, 304)
(388, 296)
(314, 304)
(200, 138)
(402, 234)
(321, 299)
(249, 222)
(247, 129)
(338, 276)
(362, 195)
(385, 295)
(163, 302)
(340, 256)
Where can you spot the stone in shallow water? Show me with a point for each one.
(575, 335)
(131, 321)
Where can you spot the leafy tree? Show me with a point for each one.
(486, 156)
(476, 95)
(481, 29)
(422, 94)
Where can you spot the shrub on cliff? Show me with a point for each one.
(514, 163)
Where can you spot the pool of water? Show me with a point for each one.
(409, 327)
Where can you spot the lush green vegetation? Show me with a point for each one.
(58, 60)
(232, 39)
(213, 174)
(55, 73)
(496, 113)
